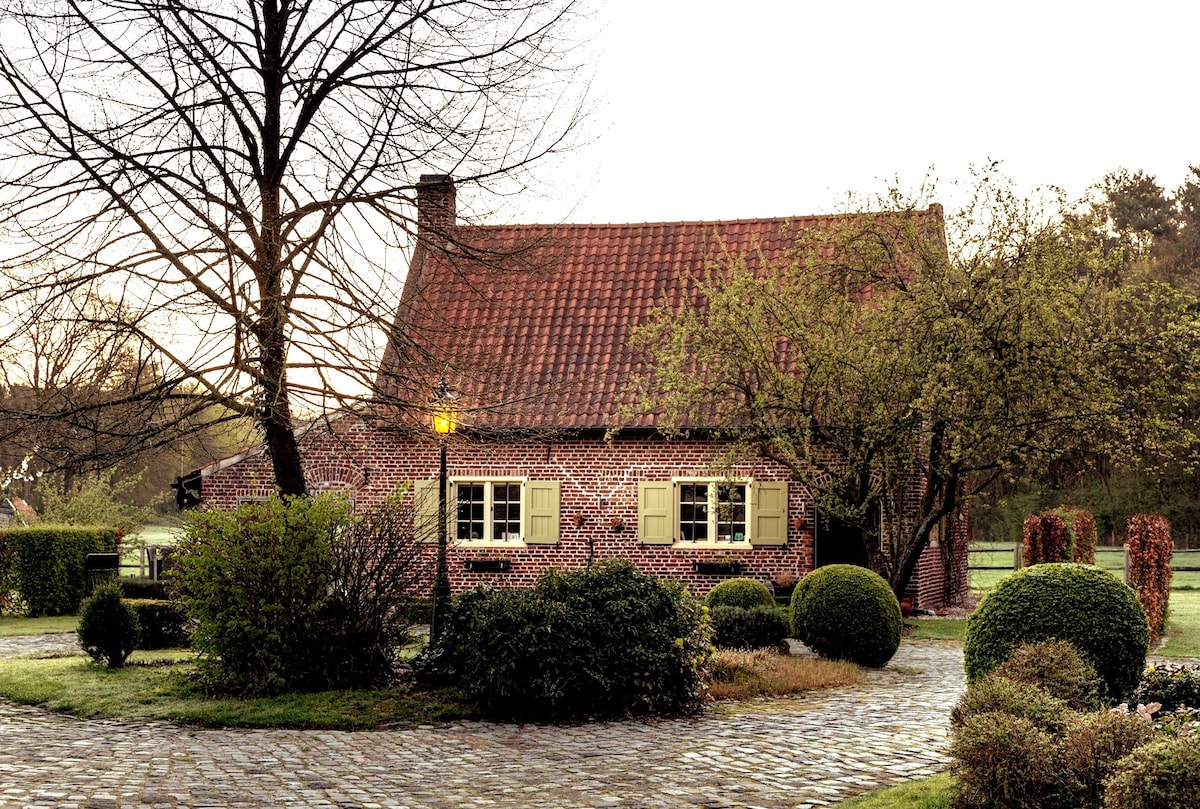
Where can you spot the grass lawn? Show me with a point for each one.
(1183, 625)
(927, 793)
(12, 625)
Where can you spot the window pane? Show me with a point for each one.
(506, 511)
(693, 512)
(731, 512)
(470, 511)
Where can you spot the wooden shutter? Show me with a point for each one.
(425, 509)
(541, 517)
(656, 512)
(769, 505)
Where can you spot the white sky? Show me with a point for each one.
(711, 110)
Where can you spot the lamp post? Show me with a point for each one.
(444, 421)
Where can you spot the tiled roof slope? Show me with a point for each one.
(529, 325)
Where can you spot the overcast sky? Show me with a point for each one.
(709, 110)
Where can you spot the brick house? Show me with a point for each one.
(528, 326)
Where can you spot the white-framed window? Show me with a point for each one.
(497, 511)
(487, 510)
(713, 512)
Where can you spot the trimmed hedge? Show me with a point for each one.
(1081, 534)
(1086, 606)
(46, 565)
(1150, 551)
(759, 627)
(164, 624)
(847, 612)
(744, 593)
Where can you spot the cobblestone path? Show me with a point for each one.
(803, 752)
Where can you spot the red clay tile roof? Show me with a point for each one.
(529, 324)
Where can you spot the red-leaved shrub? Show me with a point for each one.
(1150, 548)
(1045, 539)
(1081, 526)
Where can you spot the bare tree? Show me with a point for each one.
(239, 175)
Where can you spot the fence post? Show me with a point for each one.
(1018, 556)
(1125, 547)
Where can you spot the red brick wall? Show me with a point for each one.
(598, 481)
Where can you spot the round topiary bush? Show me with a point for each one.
(108, 628)
(847, 612)
(1086, 606)
(744, 593)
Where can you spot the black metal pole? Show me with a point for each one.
(441, 587)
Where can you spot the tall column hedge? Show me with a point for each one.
(42, 567)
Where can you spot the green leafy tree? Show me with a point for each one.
(896, 380)
(99, 499)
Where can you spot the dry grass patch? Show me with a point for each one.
(767, 673)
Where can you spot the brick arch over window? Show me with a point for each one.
(334, 476)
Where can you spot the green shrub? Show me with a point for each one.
(1084, 605)
(108, 629)
(755, 628)
(997, 694)
(1057, 668)
(1004, 762)
(163, 623)
(744, 593)
(1172, 685)
(298, 594)
(847, 613)
(1161, 775)
(1094, 744)
(47, 565)
(601, 642)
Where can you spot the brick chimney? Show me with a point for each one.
(436, 211)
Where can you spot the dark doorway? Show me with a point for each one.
(837, 543)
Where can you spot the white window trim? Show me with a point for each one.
(712, 518)
(452, 509)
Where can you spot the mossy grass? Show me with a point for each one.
(162, 686)
(926, 793)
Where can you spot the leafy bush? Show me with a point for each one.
(1161, 775)
(755, 628)
(47, 565)
(847, 613)
(108, 629)
(1056, 667)
(605, 641)
(1172, 685)
(1084, 605)
(297, 593)
(163, 623)
(1094, 744)
(1004, 762)
(997, 694)
(744, 593)
(1150, 550)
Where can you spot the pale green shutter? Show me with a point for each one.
(769, 505)
(425, 509)
(656, 512)
(541, 512)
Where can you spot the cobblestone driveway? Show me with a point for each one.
(803, 752)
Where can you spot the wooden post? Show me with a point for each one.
(1018, 556)
(1126, 566)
